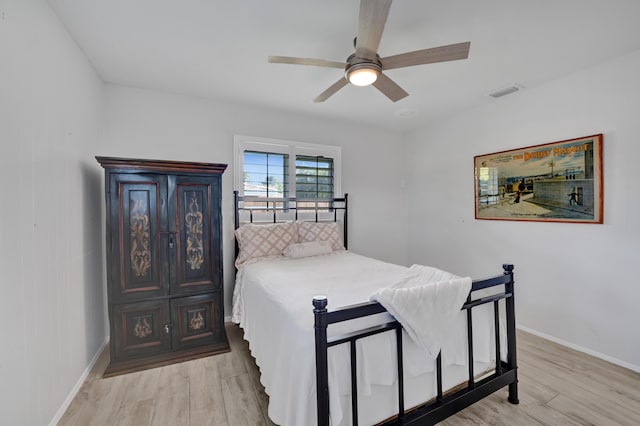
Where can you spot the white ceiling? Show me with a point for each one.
(218, 49)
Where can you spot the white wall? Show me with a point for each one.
(576, 283)
(147, 124)
(51, 308)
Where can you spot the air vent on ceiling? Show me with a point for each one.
(505, 91)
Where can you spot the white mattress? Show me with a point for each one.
(272, 303)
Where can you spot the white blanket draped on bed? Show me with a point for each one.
(272, 303)
(426, 302)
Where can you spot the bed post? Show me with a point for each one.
(345, 230)
(236, 220)
(322, 374)
(236, 216)
(511, 334)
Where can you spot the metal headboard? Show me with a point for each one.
(323, 210)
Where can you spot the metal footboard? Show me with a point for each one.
(442, 406)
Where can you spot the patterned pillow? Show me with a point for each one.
(257, 241)
(321, 231)
(312, 248)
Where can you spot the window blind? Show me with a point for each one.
(314, 177)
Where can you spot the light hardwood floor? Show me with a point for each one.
(558, 386)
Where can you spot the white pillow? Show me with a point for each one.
(321, 231)
(257, 241)
(312, 248)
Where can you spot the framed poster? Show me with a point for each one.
(553, 182)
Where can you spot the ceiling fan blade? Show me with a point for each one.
(331, 90)
(373, 17)
(306, 61)
(451, 52)
(389, 88)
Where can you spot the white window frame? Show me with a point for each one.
(242, 143)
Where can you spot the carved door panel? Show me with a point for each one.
(139, 243)
(196, 320)
(141, 329)
(194, 222)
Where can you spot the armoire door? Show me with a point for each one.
(141, 329)
(194, 224)
(196, 321)
(139, 244)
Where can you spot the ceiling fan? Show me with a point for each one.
(365, 66)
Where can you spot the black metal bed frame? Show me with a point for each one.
(292, 204)
(443, 405)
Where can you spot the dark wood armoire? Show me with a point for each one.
(164, 262)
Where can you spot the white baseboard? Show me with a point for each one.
(78, 385)
(593, 353)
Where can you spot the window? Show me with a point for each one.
(262, 168)
(314, 177)
(266, 174)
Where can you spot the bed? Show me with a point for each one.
(329, 355)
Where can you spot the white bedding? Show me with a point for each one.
(426, 296)
(272, 303)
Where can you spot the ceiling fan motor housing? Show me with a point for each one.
(355, 63)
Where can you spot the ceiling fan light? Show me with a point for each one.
(362, 76)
